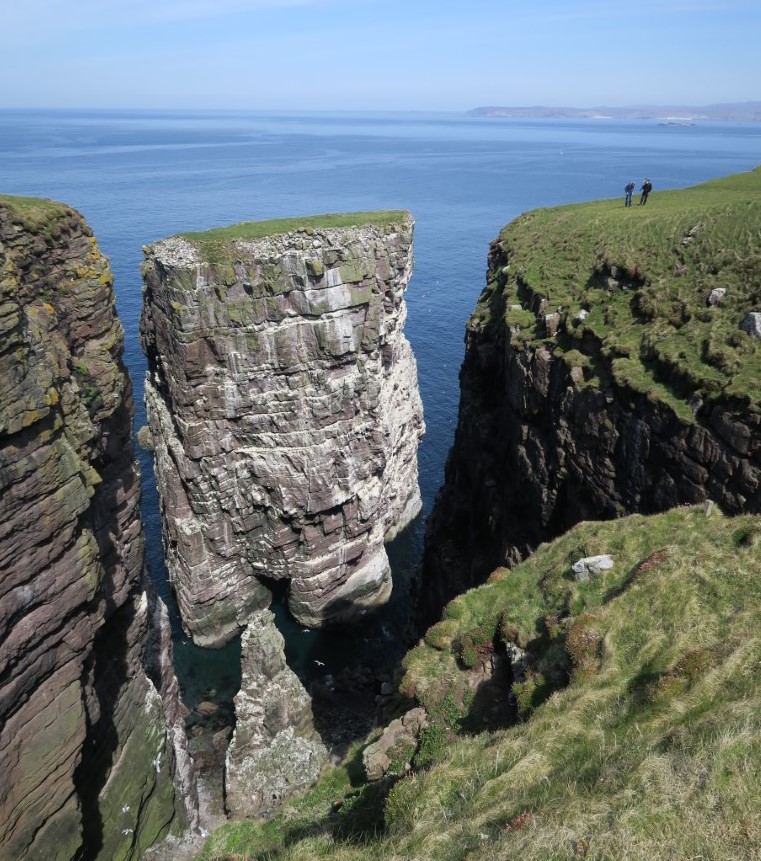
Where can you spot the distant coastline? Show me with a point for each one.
(734, 112)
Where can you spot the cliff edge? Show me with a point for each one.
(92, 745)
(612, 365)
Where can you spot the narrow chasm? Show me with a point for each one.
(349, 670)
(209, 680)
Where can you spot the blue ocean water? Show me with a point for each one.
(138, 176)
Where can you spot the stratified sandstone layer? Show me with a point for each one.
(275, 750)
(283, 403)
(601, 378)
(88, 766)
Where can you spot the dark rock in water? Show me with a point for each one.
(92, 749)
(145, 438)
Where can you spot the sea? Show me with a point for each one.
(138, 176)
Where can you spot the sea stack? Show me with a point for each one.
(284, 409)
(92, 746)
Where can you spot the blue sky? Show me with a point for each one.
(377, 54)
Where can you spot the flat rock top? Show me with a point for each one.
(254, 237)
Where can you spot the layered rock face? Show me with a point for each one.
(275, 750)
(283, 404)
(554, 425)
(87, 757)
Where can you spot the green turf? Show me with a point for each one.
(32, 212)
(218, 245)
(653, 330)
(640, 731)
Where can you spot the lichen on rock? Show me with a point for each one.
(275, 750)
(81, 719)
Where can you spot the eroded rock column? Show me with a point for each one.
(275, 750)
(283, 403)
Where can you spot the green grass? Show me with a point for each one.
(667, 256)
(33, 212)
(213, 243)
(260, 229)
(218, 244)
(643, 741)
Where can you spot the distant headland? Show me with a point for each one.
(735, 111)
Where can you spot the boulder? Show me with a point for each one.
(752, 324)
(394, 749)
(589, 566)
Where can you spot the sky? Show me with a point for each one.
(449, 55)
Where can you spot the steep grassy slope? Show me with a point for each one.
(607, 372)
(643, 276)
(635, 732)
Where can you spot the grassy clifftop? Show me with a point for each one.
(32, 211)
(628, 290)
(635, 732)
(217, 242)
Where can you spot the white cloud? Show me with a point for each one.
(562, 10)
(30, 19)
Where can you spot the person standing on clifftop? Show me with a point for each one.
(629, 189)
(647, 187)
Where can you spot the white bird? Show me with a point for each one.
(305, 630)
(319, 663)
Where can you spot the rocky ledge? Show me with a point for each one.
(284, 409)
(92, 748)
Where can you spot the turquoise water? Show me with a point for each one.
(139, 176)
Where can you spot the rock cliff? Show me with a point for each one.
(275, 750)
(87, 751)
(283, 404)
(608, 370)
